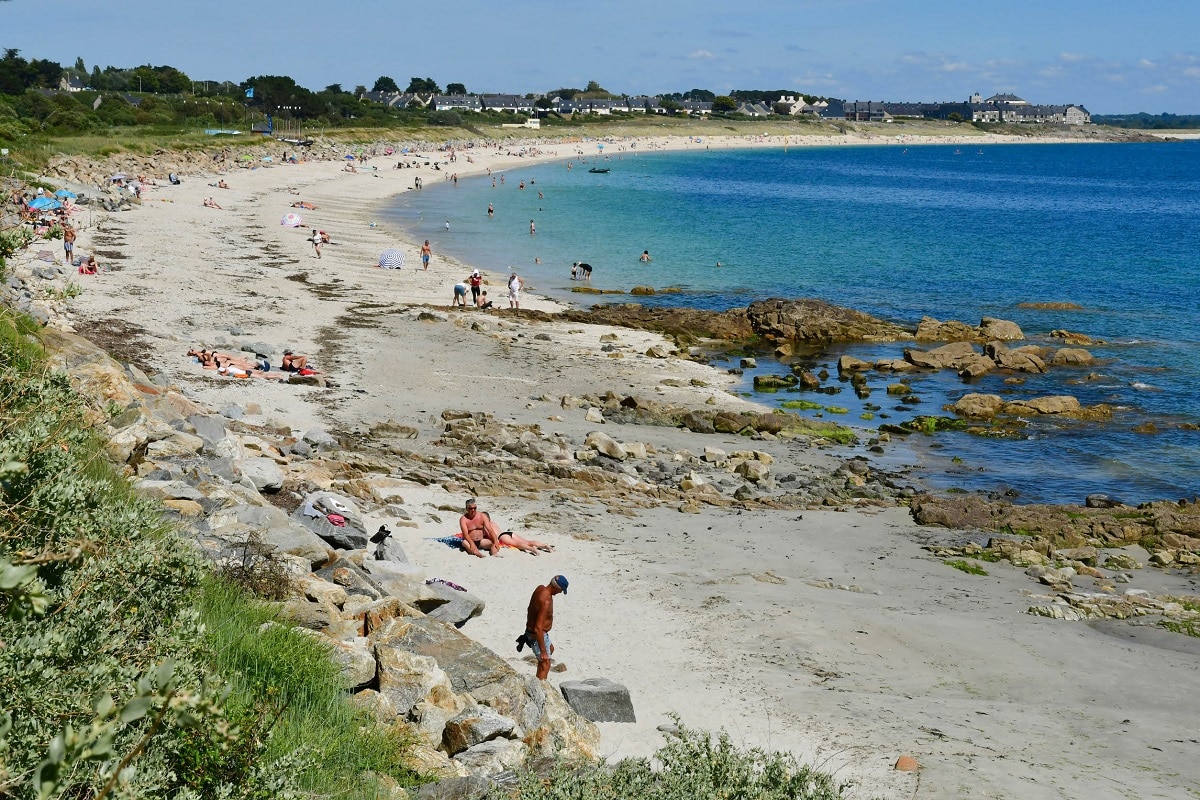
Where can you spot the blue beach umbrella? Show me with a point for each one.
(44, 203)
(391, 259)
(64, 193)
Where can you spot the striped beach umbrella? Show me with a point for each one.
(391, 259)
(291, 220)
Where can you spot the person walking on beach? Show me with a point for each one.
(69, 244)
(316, 242)
(538, 622)
(426, 252)
(514, 291)
(476, 282)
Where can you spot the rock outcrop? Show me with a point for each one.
(810, 320)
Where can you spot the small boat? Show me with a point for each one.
(598, 169)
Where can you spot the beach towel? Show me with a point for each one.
(449, 541)
(446, 583)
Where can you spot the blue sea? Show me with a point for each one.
(949, 231)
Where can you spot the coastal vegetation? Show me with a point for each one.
(692, 764)
(127, 669)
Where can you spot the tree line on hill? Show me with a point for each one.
(43, 96)
(1144, 121)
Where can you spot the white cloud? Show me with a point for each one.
(1156, 89)
(1072, 58)
(700, 54)
(1191, 72)
(1146, 63)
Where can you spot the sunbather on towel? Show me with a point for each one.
(510, 539)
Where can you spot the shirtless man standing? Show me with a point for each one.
(477, 531)
(540, 620)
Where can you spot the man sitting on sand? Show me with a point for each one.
(293, 362)
(477, 531)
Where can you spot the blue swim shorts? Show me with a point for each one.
(531, 640)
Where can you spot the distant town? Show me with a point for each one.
(999, 108)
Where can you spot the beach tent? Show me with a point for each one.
(291, 220)
(391, 259)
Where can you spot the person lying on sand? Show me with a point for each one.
(510, 539)
(232, 366)
(210, 203)
(304, 204)
(477, 531)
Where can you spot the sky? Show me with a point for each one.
(1111, 56)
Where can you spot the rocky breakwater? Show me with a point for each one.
(392, 631)
(1104, 541)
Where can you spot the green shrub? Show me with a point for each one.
(445, 119)
(965, 566)
(690, 766)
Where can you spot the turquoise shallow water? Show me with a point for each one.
(952, 232)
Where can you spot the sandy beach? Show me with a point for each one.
(829, 633)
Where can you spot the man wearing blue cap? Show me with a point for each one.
(539, 621)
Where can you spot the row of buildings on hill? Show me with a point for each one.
(997, 108)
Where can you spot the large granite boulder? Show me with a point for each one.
(599, 700)
(490, 758)
(353, 578)
(406, 678)
(1051, 404)
(945, 357)
(1072, 357)
(474, 726)
(263, 473)
(314, 513)
(978, 406)
(605, 445)
(457, 608)
(468, 664)
(992, 328)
